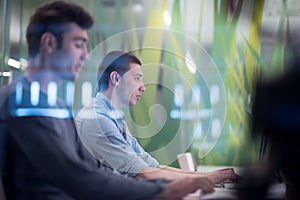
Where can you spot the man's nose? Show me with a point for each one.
(85, 53)
(142, 88)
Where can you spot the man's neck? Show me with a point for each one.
(113, 97)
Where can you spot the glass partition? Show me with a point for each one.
(201, 60)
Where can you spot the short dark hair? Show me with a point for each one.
(53, 17)
(118, 61)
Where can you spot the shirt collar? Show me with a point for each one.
(115, 113)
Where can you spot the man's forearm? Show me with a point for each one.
(161, 172)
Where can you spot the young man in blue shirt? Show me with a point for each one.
(102, 127)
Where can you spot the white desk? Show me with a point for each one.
(276, 191)
(207, 168)
(219, 193)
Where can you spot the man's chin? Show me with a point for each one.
(132, 103)
(68, 77)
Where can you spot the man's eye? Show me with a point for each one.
(79, 44)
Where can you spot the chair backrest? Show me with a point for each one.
(2, 156)
(3, 95)
(2, 195)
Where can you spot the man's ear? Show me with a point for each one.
(114, 78)
(48, 42)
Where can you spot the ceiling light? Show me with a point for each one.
(167, 18)
(14, 63)
(7, 74)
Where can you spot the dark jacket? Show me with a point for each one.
(43, 158)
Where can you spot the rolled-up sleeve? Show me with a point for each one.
(102, 137)
(142, 153)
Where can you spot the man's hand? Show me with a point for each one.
(221, 175)
(179, 188)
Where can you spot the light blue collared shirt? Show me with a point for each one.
(104, 132)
